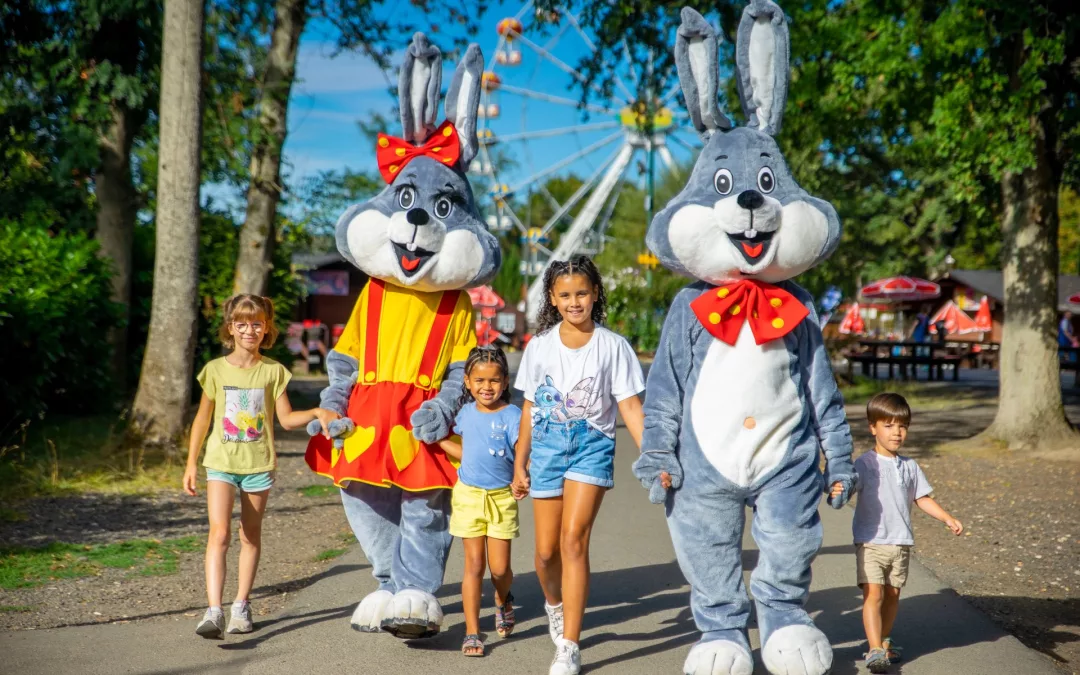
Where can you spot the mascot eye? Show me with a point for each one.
(406, 197)
(722, 181)
(443, 207)
(765, 180)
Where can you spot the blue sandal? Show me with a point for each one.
(894, 652)
(472, 645)
(504, 617)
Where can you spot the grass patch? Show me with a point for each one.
(72, 454)
(318, 491)
(926, 395)
(16, 608)
(11, 515)
(22, 567)
(329, 554)
(348, 538)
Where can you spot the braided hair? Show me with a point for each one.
(549, 316)
(488, 354)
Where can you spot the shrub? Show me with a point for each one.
(55, 314)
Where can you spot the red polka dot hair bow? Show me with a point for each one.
(394, 153)
(771, 311)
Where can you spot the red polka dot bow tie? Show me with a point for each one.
(771, 311)
(394, 153)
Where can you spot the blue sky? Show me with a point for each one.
(334, 92)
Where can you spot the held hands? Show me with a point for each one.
(324, 417)
(190, 475)
(836, 490)
(955, 525)
(520, 487)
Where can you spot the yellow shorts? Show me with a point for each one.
(476, 512)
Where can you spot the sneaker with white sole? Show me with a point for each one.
(212, 624)
(567, 659)
(555, 621)
(240, 621)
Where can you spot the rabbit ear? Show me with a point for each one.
(419, 83)
(695, 58)
(463, 99)
(762, 56)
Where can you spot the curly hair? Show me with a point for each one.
(549, 316)
(488, 354)
(248, 307)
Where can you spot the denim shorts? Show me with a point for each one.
(572, 450)
(245, 482)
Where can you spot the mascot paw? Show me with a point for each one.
(412, 614)
(429, 423)
(718, 657)
(797, 650)
(370, 612)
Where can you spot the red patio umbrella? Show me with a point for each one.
(901, 289)
(852, 321)
(956, 322)
(983, 322)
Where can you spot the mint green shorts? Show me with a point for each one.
(245, 482)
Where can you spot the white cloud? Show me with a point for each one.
(319, 72)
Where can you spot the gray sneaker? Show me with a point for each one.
(212, 624)
(240, 622)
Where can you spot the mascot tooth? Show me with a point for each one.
(396, 373)
(741, 398)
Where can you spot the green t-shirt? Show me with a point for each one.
(242, 438)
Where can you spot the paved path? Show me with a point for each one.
(638, 620)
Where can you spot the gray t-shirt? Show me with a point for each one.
(887, 489)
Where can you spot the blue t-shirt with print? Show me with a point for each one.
(487, 445)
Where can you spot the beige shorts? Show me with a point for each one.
(883, 564)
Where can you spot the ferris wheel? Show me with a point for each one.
(533, 127)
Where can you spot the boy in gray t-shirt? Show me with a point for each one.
(887, 486)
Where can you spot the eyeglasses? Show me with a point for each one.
(249, 327)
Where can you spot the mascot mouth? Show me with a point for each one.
(753, 249)
(411, 261)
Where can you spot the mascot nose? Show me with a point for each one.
(750, 199)
(420, 216)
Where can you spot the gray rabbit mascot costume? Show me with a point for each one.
(396, 373)
(741, 395)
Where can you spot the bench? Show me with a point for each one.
(869, 361)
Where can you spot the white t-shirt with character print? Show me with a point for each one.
(587, 383)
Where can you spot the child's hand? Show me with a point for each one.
(955, 525)
(665, 480)
(325, 417)
(190, 475)
(520, 487)
(836, 490)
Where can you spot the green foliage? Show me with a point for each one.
(54, 316)
(330, 554)
(22, 567)
(318, 490)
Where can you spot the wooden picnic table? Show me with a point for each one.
(900, 355)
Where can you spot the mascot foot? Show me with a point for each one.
(412, 614)
(797, 650)
(719, 657)
(370, 612)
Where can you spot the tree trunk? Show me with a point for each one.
(257, 235)
(116, 224)
(165, 383)
(1030, 412)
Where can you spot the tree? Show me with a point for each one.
(360, 29)
(165, 382)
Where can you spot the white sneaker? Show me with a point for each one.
(212, 624)
(240, 621)
(567, 659)
(555, 621)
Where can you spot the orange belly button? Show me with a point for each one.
(749, 423)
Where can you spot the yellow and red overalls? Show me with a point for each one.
(403, 341)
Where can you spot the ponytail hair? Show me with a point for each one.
(248, 307)
(488, 354)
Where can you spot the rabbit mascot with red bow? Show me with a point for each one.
(396, 373)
